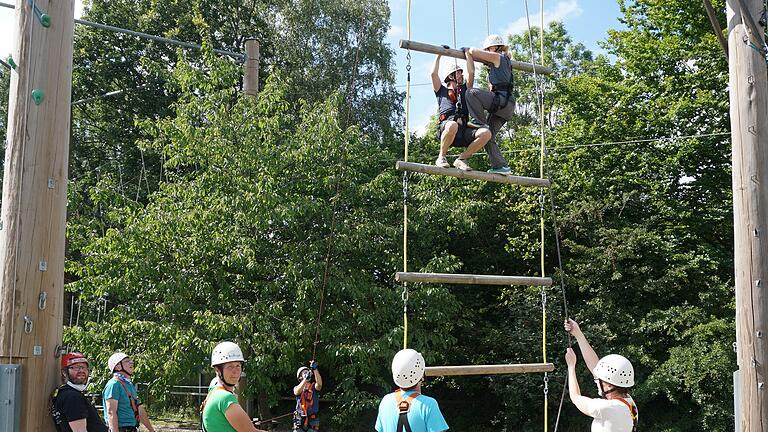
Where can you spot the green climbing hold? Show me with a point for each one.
(10, 61)
(45, 20)
(37, 96)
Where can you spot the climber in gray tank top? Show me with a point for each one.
(452, 130)
(499, 103)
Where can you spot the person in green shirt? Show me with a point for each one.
(221, 411)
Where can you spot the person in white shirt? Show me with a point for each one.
(614, 411)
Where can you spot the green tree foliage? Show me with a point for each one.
(647, 226)
(233, 247)
(229, 239)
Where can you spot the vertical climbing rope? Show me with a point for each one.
(336, 200)
(404, 294)
(487, 19)
(540, 106)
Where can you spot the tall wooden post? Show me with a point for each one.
(34, 203)
(749, 132)
(252, 58)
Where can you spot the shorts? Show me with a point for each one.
(301, 423)
(464, 136)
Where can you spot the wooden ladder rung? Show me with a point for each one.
(469, 279)
(474, 175)
(489, 369)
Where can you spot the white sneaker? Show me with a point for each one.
(460, 164)
(442, 162)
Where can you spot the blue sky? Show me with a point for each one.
(587, 21)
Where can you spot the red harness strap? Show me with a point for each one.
(134, 405)
(632, 412)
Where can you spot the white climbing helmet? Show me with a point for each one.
(226, 352)
(407, 368)
(300, 371)
(615, 369)
(453, 67)
(114, 359)
(493, 40)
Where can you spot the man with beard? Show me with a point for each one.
(70, 409)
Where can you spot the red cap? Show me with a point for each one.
(68, 360)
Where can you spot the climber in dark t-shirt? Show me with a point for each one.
(452, 127)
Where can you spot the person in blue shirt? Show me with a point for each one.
(406, 409)
(306, 417)
(123, 410)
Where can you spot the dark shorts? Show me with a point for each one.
(464, 136)
(302, 423)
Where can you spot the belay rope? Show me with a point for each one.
(336, 200)
(405, 293)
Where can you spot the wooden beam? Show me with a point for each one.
(251, 79)
(450, 52)
(716, 26)
(35, 203)
(474, 175)
(470, 279)
(489, 369)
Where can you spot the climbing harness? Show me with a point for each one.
(632, 412)
(403, 407)
(134, 403)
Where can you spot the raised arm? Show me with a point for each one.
(485, 56)
(318, 380)
(436, 82)
(300, 387)
(589, 354)
(581, 402)
(470, 68)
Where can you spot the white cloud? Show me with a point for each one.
(395, 32)
(8, 27)
(396, 5)
(562, 10)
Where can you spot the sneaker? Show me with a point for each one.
(475, 124)
(462, 165)
(502, 170)
(442, 162)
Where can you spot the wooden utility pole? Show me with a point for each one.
(749, 132)
(34, 204)
(252, 56)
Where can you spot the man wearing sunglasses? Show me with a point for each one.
(123, 410)
(70, 409)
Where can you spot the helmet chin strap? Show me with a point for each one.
(604, 393)
(221, 377)
(78, 387)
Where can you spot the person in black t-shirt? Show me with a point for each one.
(452, 123)
(70, 409)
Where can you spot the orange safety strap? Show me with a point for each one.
(403, 405)
(306, 401)
(632, 411)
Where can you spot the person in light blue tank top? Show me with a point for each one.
(499, 103)
(406, 408)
